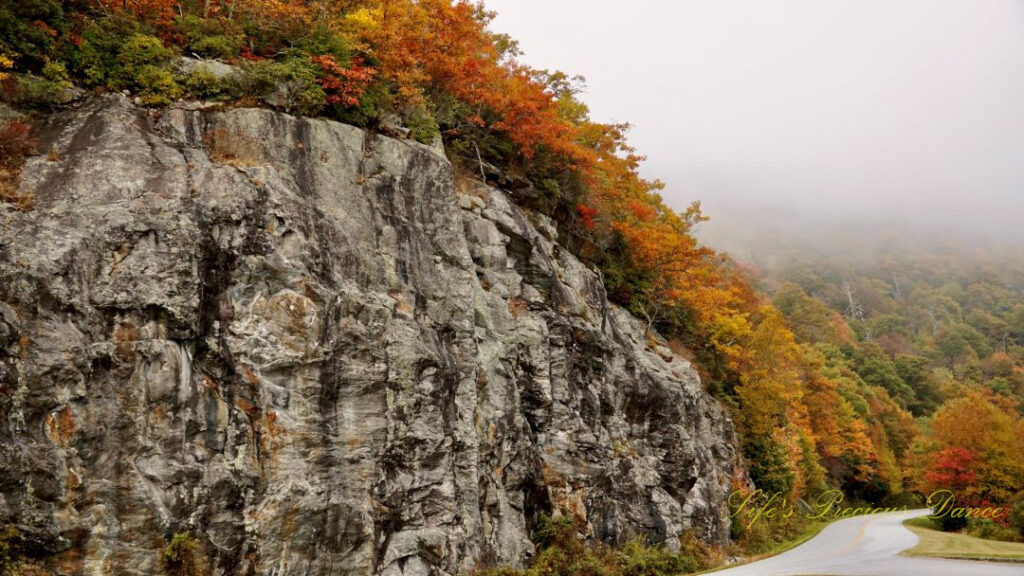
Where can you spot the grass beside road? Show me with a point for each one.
(938, 544)
(809, 531)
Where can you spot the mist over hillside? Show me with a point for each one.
(797, 117)
(771, 236)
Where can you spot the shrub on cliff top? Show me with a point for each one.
(115, 55)
(95, 60)
(290, 85)
(210, 37)
(39, 92)
(144, 66)
(202, 83)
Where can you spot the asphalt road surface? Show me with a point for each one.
(867, 546)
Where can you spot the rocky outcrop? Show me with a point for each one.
(306, 346)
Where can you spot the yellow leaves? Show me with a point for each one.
(572, 110)
(363, 19)
(728, 333)
(5, 64)
(772, 340)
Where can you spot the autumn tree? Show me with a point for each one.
(985, 432)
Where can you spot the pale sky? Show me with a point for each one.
(911, 108)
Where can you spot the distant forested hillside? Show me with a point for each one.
(937, 323)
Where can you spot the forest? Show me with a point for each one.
(888, 377)
(936, 324)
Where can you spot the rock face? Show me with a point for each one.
(307, 347)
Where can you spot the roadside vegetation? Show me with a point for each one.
(562, 552)
(776, 541)
(939, 544)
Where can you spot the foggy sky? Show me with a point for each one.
(909, 110)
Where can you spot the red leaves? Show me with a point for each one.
(15, 143)
(642, 211)
(443, 46)
(952, 469)
(343, 86)
(587, 215)
(246, 54)
(975, 448)
(44, 28)
(160, 13)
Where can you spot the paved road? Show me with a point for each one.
(867, 546)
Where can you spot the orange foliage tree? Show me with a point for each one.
(976, 448)
(433, 47)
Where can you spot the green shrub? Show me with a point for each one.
(95, 62)
(323, 41)
(1000, 385)
(202, 83)
(31, 29)
(1016, 516)
(209, 37)
(561, 532)
(289, 84)
(217, 46)
(760, 536)
(183, 556)
(949, 523)
(55, 72)
(156, 86)
(140, 51)
(114, 55)
(989, 530)
(638, 559)
(769, 467)
(423, 128)
(144, 67)
(260, 77)
(32, 91)
(375, 98)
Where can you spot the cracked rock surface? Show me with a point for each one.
(308, 347)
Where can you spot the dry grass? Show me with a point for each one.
(9, 194)
(231, 148)
(16, 143)
(470, 184)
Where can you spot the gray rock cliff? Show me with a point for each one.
(307, 346)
